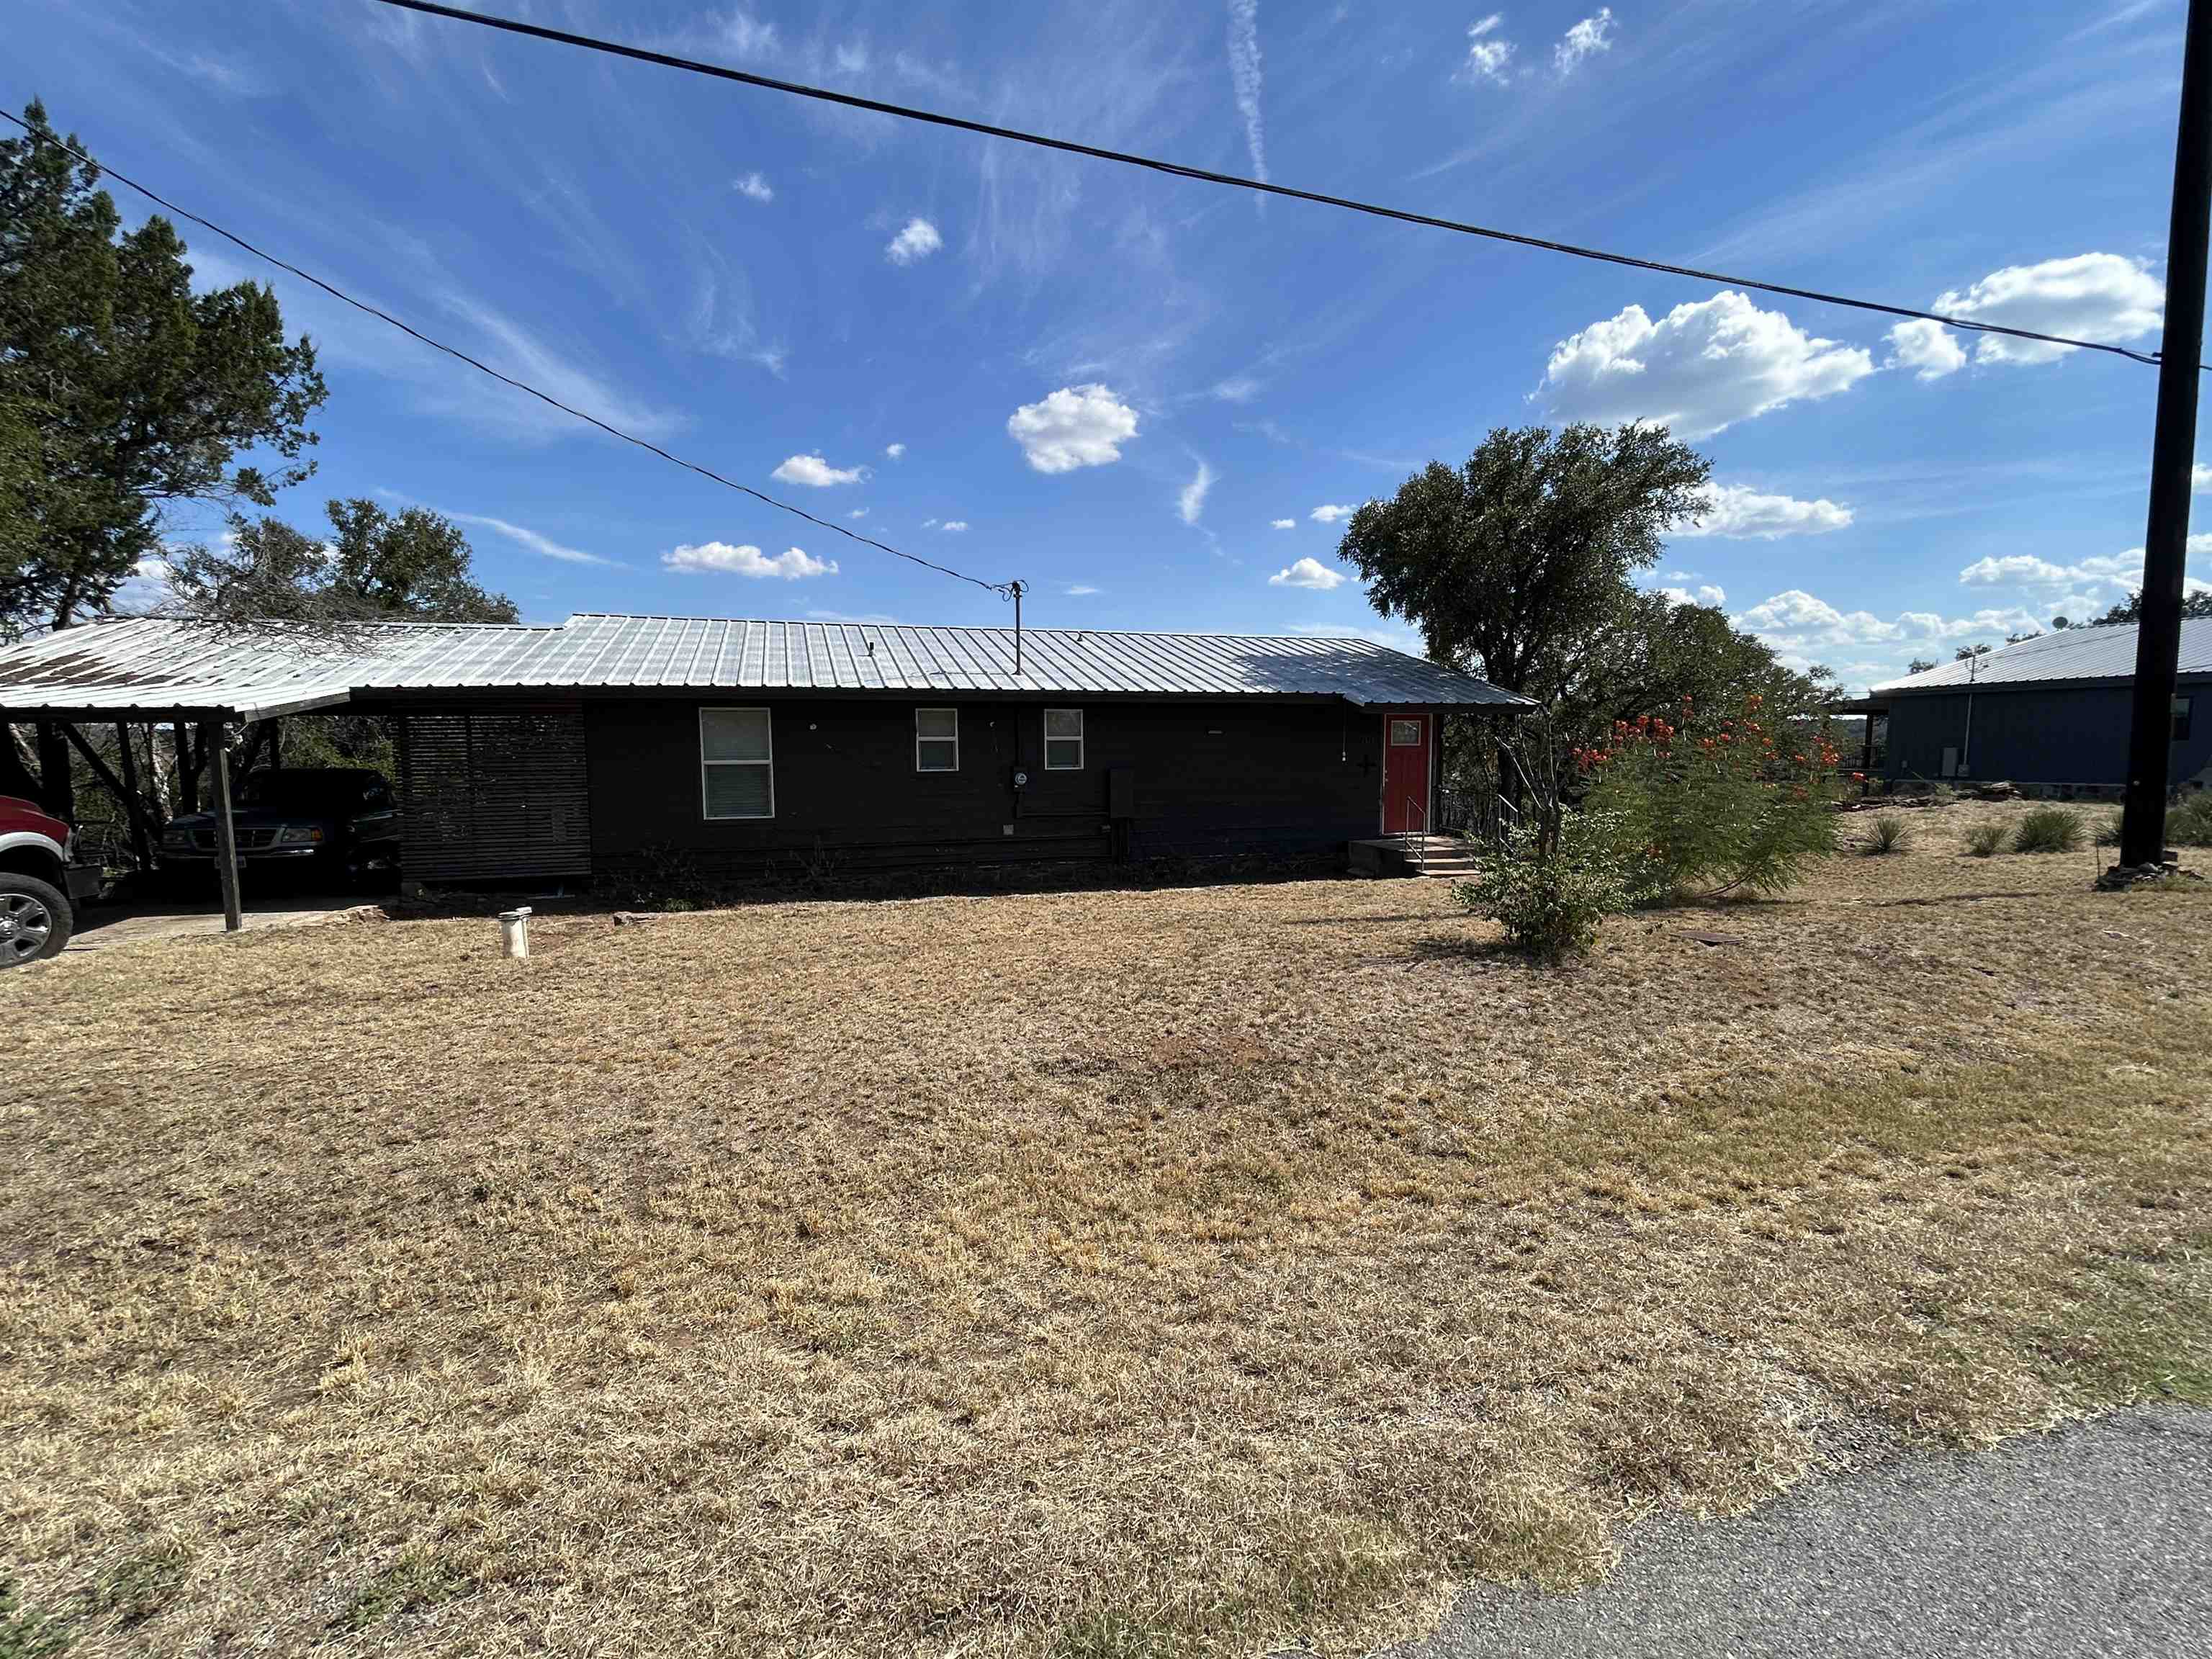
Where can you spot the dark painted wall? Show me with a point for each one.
(1209, 779)
(2055, 737)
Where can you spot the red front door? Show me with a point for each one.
(1404, 775)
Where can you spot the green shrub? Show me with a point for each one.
(2189, 823)
(1714, 803)
(1550, 897)
(1988, 838)
(2108, 830)
(2048, 829)
(1888, 833)
(25, 1634)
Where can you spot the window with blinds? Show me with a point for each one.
(736, 764)
(937, 740)
(1063, 739)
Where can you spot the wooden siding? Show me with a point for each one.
(1209, 779)
(2052, 737)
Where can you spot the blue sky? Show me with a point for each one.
(1148, 397)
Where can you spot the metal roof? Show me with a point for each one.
(252, 672)
(2070, 653)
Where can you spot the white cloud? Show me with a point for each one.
(858, 513)
(1076, 426)
(1284, 524)
(1928, 349)
(895, 450)
(954, 526)
(1081, 590)
(1488, 53)
(754, 187)
(917, 241)
(1708, 595)
(1587, 38)
(815, 473)
(523, 536)
(2093, 297)
(2114, 572)
(2200, 477)
(852, 58)
(1734, 510)
(1244, 78)
(1307, 572)
(1190, 501)
(1330, 511)
(1701, 368)
(744, 35)
(2022, 569)
(146, 588)
(1793, 612)
(1236, 389)
(520, 354)
(1797, 624)
(791, 564)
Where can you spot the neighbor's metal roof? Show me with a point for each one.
(159, 665)
(2070, 653)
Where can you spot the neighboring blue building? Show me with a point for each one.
(2050, 714)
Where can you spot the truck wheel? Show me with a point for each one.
(36, 920)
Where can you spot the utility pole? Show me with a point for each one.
(2173, 450)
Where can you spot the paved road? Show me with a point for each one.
(2096, 1540)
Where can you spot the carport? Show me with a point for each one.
(202, 683)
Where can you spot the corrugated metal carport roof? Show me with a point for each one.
(2069, 654)
(150, 666)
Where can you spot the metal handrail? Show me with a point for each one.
(1414, 804)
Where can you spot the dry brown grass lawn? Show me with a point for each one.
(1104, 1274)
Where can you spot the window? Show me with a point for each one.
(937, 740)
(2181, 719)
(736, 764)
(1404, 734)
(1063, 739)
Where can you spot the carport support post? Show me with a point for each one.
(2173, 450)
(141, 845)
(226, 839)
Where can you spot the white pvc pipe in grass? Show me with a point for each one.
(514, 932)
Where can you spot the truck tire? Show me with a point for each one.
(36, 920)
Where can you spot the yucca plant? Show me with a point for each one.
(2048, 829)
(1889, 833)
(2189, 824)
(1986, 839)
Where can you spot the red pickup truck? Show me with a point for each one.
(41, 883)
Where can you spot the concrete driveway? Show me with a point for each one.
(105, 926)
(2094, 1539)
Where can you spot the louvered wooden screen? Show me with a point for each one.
(489, 794)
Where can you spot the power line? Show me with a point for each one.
(1177, 169)
(1004, 590)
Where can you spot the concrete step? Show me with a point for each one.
(1453, 867)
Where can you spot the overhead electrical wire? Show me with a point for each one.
(1004, 590)
(1206, 175)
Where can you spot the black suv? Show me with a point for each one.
(328, 824)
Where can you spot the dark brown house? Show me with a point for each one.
(610, 740)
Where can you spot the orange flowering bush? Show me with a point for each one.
(1711, 805)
